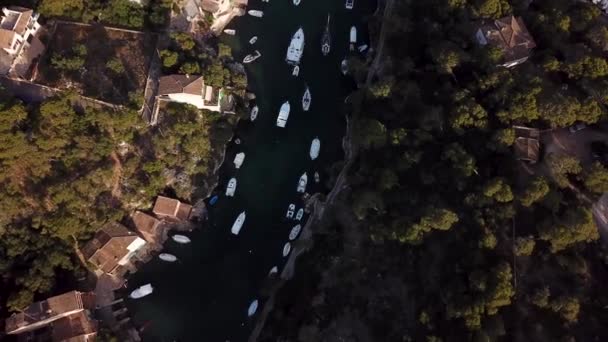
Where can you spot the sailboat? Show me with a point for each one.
(306, 99)
(326, 39)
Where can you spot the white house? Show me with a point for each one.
(19, 45)
(189, 89)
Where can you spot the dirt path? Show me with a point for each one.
(388, 9)
(116, 175)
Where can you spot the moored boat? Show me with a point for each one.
(349, 4)
(286, 249)
(296, 71)
(344, 67)
(299, 214)
(353, 37)
(238, 223)
(306, 99)
(167, 257)
(315, 146)
(326, 39)
(296, 47)
(317, 177)
(254, 113)
(295, 231)
(362, 48)
(239, 159)
(253, 307)
(253, 40)
(142, 291)
(302, 183)
(290, 211)
(231, 188)
(214, 199)
(252, 57)
(230, 32)
(273, 270)
(283, 114)
(256, 13)
(296, 2)
(180, 238)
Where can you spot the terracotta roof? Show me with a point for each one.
(109, 246)
(527, 149)
(23, 20)
(74, 328)
(177, 84)
(210, 5)
(6, 38)
(147, 225)
(511, 35)
(168, 207)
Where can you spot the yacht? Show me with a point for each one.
(142, 291)
(239, 159)
(256, 13)
(290, 211)
(349, 4)
(254, 113)
(273, 270)
(230, 32)
(286, 249)
(252, 57)
(283, 114)
(180, 238)
(231, 188)
(353, 37)
(300, 214)
(317, 177)
(167, 257)
(253, 307)
(294, 232)
(314, 148)
(302, 183)
(253, 40)
(296, 71)
(306, 99)
(238, 223)
(344, 67)
(296, 2)
(296, 47)
(326, 39)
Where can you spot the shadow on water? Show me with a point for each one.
(205, 296)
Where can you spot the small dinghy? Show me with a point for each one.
(296, 71)
(286, 249)
(230, 32)
(362, 48)
(283, 114)
(167, 257)
(256, 13)
(295, 231)
(252, 57)
(315, 146)
(317, 177)
(253, 40)
(273, 270)
(142, 291)
(180, 238)
(239, 159)
(253, 307)
(300, 214)
(213, 200)
(296, 2)
(254, 113)
(302, 183)
(353, 37)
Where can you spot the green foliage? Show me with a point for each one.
(71, 62)
(492, 9)
(574, 226)
(183, 40)
(567, 307)
(540, 297)
(190, 68)
(61, 8)
(498, 190)
(169, 58)
(124, 13)
(596, 178)
(524, 246)
(115, 65)
(369, 133)
(224, 51)
(535, 191)
(562, 167)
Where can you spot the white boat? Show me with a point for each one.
(253, 307)
(300, 214)
(296, 2)
(302, 183)
(256, 13)
(254, 113)
(362, 48)
(238, 223)
(290, 211)
(317, 177)
(231, 188)
(283, 114)
(239, 159)
(315, 146)
(344, 67)
(349, 4)
(286, 249)
(306, 99)
(180, 238)
(230, 32)
(273, 270)
(295, 231)
(167, 257)
(142, 291)
(252, 57)
(296, 47)
(296, 71)
(353, 37)
(326, 39)
(253, 40)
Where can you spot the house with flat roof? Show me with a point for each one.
(112, 248)
(190, 89)
(511, 36)
(65, 317)
(171, 209)
(19, 44)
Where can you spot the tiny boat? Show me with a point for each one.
(252, 57)
(167, 257)
(230, 32)
(296, 71)
(180, 238)
(362, 48)
(253, 40)
(253, 307)
(239, 159)
(295, 231)
(296, 2)
(214, 199)
(344, 67)
(283, 114)
(231, 188)
(349, 4)
(256, 13)
(286, 249)
(353, 37)
(315, 146)
(142, 291)
(254, 113)
(302, 183)
(290, 211)
(300, 214)
(238, 223)
(273, 270)
(306, 99)
(326, 39)
(317, 177)
(237, 141)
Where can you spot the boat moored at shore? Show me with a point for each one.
(255, 13)
(296, 71)
(283, 114)
(296, 47)
(180, 238)
(306, 99)
(239, 159)
(238, 223)
(252, 57)
(300, 214)
(286, 249)
(349, 4)
(231, 188)
(142, 291)
(302, 183)
(315, 146)
(254, 113)
(230, 32)
(167, 257)
(295, 231)
(290, 211)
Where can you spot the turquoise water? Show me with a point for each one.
(205, 296)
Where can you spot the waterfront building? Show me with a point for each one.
(148, 226)
(191, 89)
(19, 44)
(171, 209)
(511, 36)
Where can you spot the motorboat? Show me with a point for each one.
(252, 57)
(286, 249)
(167, 257)
(254, 113)
(142, 291)
(214, 199)
(180, 238)
(344, 67)
(302, 183)
(273, 270)
(353, 37)
(306, 99)
(296, 47)
(349, 4)
(231, 188)
(238, 223)
(326, 39)
(315, 146)
(295, 231)
(317, 177)
(256, 13)
(296, 2)
(299, 214)
(296, 71)
(253, 307)
(230, 32)
(283, 114)
(290, 211)
(362, 48)
(239, 159)
(253, 40)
